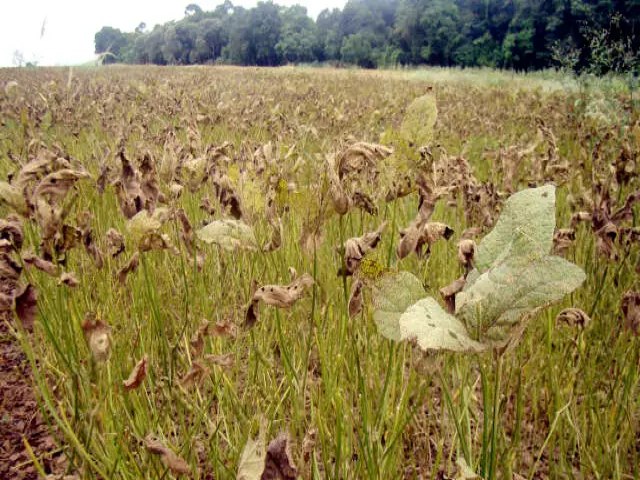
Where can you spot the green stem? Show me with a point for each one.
(494, 424)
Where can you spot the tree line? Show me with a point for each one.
(516, 34)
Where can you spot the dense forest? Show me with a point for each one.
(517, 34)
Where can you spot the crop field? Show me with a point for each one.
(220, 272)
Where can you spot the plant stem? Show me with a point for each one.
(496, 410)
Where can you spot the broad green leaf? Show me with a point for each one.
(392, 295)
(229, 234)
(14, 198)
(419, 120)
(520, 282)
(434, 329)
(530, 212)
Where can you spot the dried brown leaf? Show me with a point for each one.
(173, 462)
(137, 375)
(26, 301)
(130, 267)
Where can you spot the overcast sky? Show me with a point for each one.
(69, 25)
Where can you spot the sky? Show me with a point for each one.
(60, 32)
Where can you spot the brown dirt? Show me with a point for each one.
(20, 417)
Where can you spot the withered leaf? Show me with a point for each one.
(355, 298)
(130, 267)
(631, 309)
(56, 185)
(466, 252)
(563, 238)
(11, 230)
(281, 296)
(573, 317)
(98, 337)
(225, 361)
(26, 302)
(279, 464)
(418, 234)
(157, 241)
(186, 235)
(173, 462)
(68, 279)
(194, 375)
(41, 264)
(309, 444)
(356, 248)
(450, 291)
(137, 375)
(115, 242)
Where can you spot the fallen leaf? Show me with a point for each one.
(137, 375)
(26, 302)
(173, 462)
(69, 279)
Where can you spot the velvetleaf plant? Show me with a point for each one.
(514, 277)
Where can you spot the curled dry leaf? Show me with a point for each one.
(279, 464)
(356, 248)
(54, 186)
(360, 157)
(186, 234)
(340, 200)
(10, 272)
(41, 264)
(194, 375)
(26, 301)
(309, 444)
(224, 361)
(605, 238)
(11, 231)
(128, 189)
(417, 235)
(115, 242)
(69, 279)
(573, 317)
(173, 462)
(355, 298)
(137, 375)
(450, 291)
(157, 241)
(276, 236)
(563, 238)
(98, 337)
(130, 267)
(466, 252)
(364, 202)
(631, 309)
(281, 296)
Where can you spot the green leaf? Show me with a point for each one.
(434, 329)
(419, 120)
(229, 234)
(531, 213)
(520, 282)
(392, 295)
